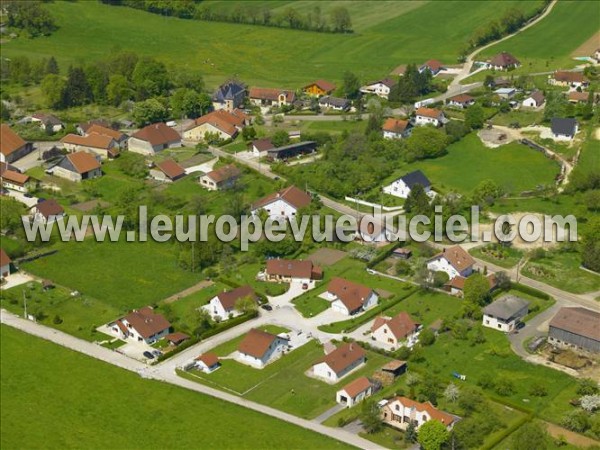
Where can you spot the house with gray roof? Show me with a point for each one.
(404, 185)
(335, 103)
(563, 129)
(229, 96)
(505, 313)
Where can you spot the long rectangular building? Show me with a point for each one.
(575, 328)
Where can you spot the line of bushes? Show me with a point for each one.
(384, 254)
(507, 432)
(530, 291)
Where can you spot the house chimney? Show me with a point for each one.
(351, 347)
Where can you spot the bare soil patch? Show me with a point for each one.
(597, 134)
(494, 138)
(90, 205)
(326, 256)
(572, 438)
(588, 47)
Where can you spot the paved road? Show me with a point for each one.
(164, 372)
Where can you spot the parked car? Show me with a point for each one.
(305, 286)
(267, 307)
(156, 353)
(148, 355)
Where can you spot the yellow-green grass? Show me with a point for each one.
(261, 55)
(283, 383)
(71, 400)
(514, 167)
(563, 270)
(502, 256)
(549, 44)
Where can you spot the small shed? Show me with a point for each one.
(402, 253)
(176, 338)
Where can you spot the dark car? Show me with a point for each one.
(148, 355)
(28, 195)
(267, 307)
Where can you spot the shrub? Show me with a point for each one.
(504, 387)
(538, 390)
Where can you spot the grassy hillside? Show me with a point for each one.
(386, 37)
(78, 402)
(550, 43)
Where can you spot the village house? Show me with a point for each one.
(399, 412)
(433, 65)
(319, 88)
(396, 128)
(381, 88)
(12, 146)
(141, 325)
(154, 138)
(259, 348)
(350, 298)
(568, 79)
(505, 313)
(354, 392)
(99, 144)
(394, 330)
(340, 362)
(399, 71)
(207, 362)
(455, 261)
(563, 129)
(429, 116)
(17, 181)
(505, 93)
(47, 211)
(229, 96)
(4, 264)
(292, 270)
(219, 179)
(576, 329)
(503, 61)
(167, 171)
(283, 204)
(461, 101)
(261, 146)
(403, 186)
(335, 103)
(82, 128)
(226, 124)
(222, 306)
(48, 123)
(292, 150)
(578, 97)
(120, 138)
(271, 97)
(176, 338)
(456, 285)
(535, 100)
(77, 167)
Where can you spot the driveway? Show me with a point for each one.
(20, 197)
(16, 279)
(205, 167)
(294, 291)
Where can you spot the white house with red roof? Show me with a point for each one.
(381, 88)
(222, 306)
(340, 362)
(153, 138)
(283, 204)
(349, 298)
(394, 330)
(77, 167)
(455, 261)
(354, 392)
(429, 116)
(4, 264)
(396, 128)
(399, 412)
(433, 66)
(207, 362)
(167, 171)
(141, 325)
(259, 348)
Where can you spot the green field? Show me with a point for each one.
(502, 256)
(549, 44)
(55, 398)
(514, 167)
(282, 384)
(387, 35)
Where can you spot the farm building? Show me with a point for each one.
(575, 328)
(12, 146)
(292, 150)
(154, 138)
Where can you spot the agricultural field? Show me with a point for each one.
(514, 167)
(261, 55)
(81, 383)
(552, 43)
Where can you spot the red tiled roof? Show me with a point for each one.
(49, 208)
(323, 85)
(170, 168)
(352, 295)
(209, 359)
(504, 59)
(401, 325)
(400, 70)
(461, 98)
(9, 140)
(99, 129)
(256, 343)
(395, 125)
(93, 140)
(271, 94)
(457, 257)
(291, 195)
(262, 145)
(428, 112)
(290, 268)
(436, 414)
(228, 299)
(569, 77)
(83, 162)
(146, 322)
(15, 177)
(343, 357)
(357, 386)
(4, 258)
(157, 134)
(578, 96)
(433, 64)
(224, 173)
(177, 337)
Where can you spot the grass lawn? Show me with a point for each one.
(282, 384)
(85, 415)
(502, 256)
(562, 270)
(245, 273)
(268, 56)
(523, 117)
(427, 307)
(549, 44)
(513, 167)
(311, 304)
(80, 315)
(125, 275)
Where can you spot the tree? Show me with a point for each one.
(486, 193)
(417, 201)
(476, 293)
(280, 138)
(149, 111)
(351, 85)
(587, 386)
(118, 90)
(590, 245)
(556, 105)
(425, 142)
(52, 66)
(340, 19)
(503, 281)
(245, 305)
(97, 78)
(369, 416)
(53, 87)
(451, 393)
(530, 436)
(248, 133)
(189, 103)
(577, 420)
(475, 117)
(432, 435)
(410, 435)
(150, 78)
(30, 16)
(440, 278)
(427, 337)
(77, 91)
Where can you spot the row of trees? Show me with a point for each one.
(29, 16)
(337, 21)
(412, 85)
